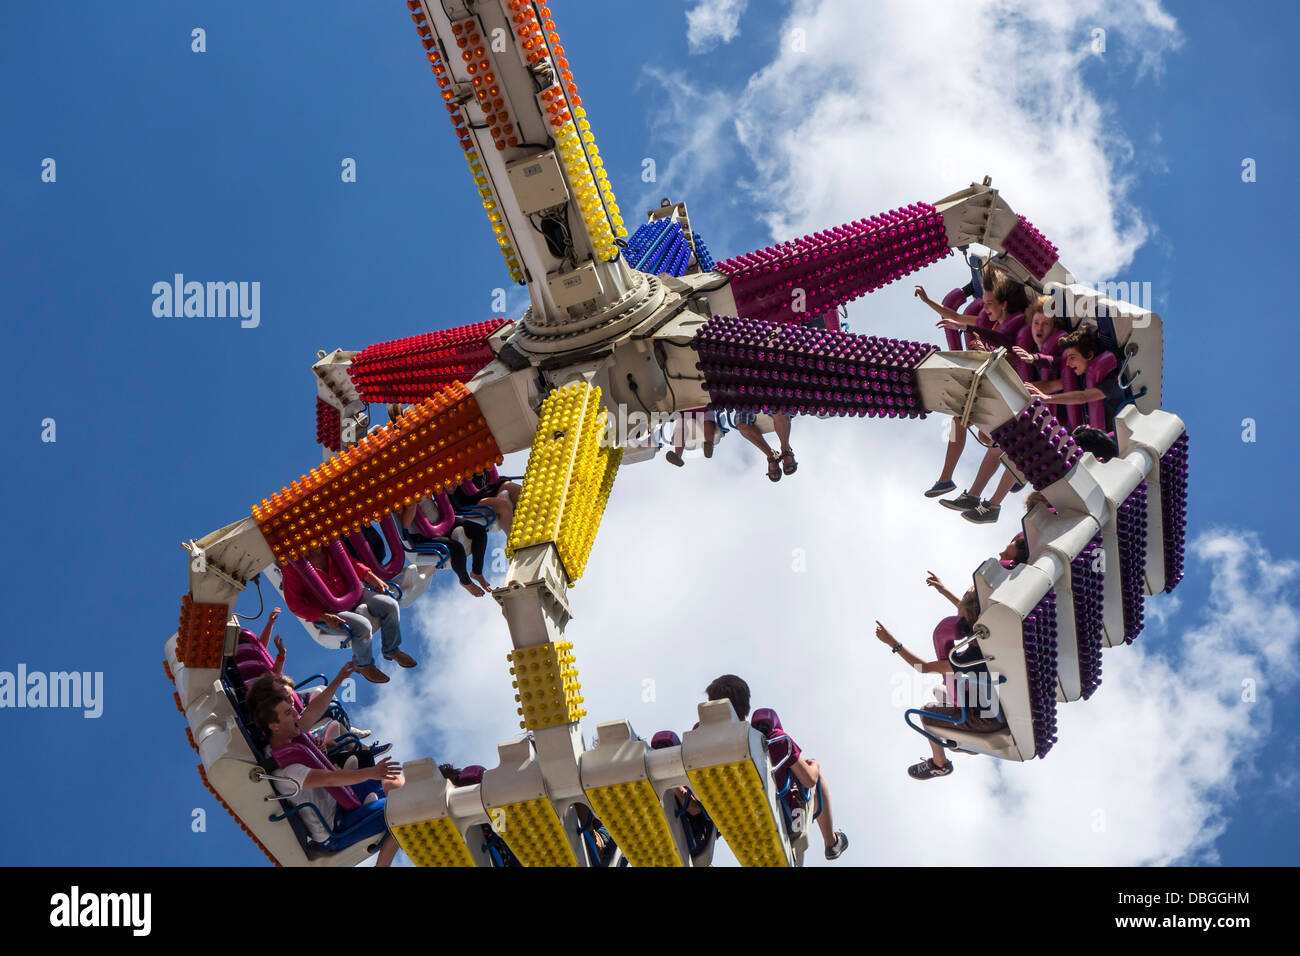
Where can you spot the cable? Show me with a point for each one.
(659, 361)
(257, 579)
(563, 92)
(636, 391)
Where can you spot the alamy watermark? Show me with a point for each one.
(637, 427)
(973, 691)
(63, 689)
(1096, 304)
(75, 908)
(212, 300)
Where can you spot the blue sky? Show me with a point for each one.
(225, 166)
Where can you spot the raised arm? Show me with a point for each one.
(925, 667)
(942, 309)
(932, 579)
(278, 669)
(265, 636)
(314, 711)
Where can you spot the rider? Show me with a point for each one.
(361, 791)
(304, 603)
(806, 770)
(986, 720)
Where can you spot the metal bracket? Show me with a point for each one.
(980, 372)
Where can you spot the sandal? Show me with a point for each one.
(774, 467)
(788, 464)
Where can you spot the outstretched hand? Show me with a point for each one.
(920, 294)
(1023, 355)
(279, 644)
(347, 670)
(883, 635)
(275, 613)
(933, 581)
(386, 769)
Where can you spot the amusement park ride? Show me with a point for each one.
(651, 322)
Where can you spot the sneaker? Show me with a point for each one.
(373, 674)
(963, 502)
(378, 750)
(838, 847)
(1017, 487)
(404, 659)
(982, 513)
(350, 763)
(927, 768)
(941, 488)
(361, 734)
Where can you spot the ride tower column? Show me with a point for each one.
(517, 113)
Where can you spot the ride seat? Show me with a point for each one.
(782, 752)
(1101, 366)
(698, 827)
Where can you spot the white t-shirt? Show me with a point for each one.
(320, 796)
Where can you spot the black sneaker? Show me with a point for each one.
(963, 502)
(940, 488)
(982, 513)
(838, 847)
(927, 769)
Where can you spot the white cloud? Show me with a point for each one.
(694, 139)
(882, 104)
(692, 570)
(711, 22)
(691, 577)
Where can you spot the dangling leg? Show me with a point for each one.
(956, 445)
(478, 537)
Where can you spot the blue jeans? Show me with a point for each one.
(388, 613)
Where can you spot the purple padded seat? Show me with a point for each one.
(953, 300)
(766, 721)
(471, 775)
(946, 634)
